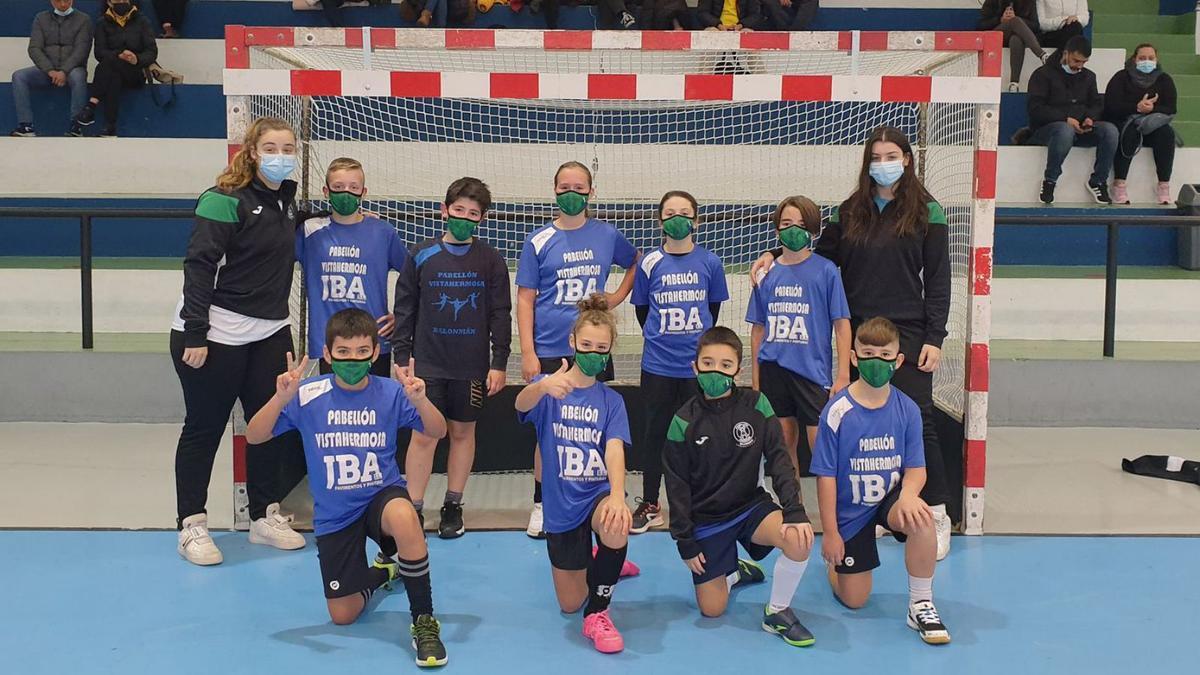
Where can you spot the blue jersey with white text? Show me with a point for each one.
(677, 289)
(572, 435)
(565, 267)
(349, 444)
(346, 266)
(796, 305)
(867, 451)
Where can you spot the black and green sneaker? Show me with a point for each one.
(787, 626)
(749, 572)
(383, 562)
(426, 633)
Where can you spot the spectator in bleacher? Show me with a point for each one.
(1064, 111)
(438, 13)
(736, 15)
(1061, 20)
(125, 47)
(790, 14)
(58, 45)
(610, 14)
(1141, 102)
(170, 15)
(1016, 19)
(666, 15)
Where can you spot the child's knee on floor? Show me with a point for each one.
(712, 597)
(852, 590)
(344, 611)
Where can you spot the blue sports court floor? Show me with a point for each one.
(123, 602)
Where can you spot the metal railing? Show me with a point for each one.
(85, 216)
(1113, 221)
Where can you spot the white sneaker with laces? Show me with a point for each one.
(274, 529)
(941, 522)
(535, 529)
(195, 544)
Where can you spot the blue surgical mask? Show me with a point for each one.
(1146, 66)
(1068, 70)
(64, 12)
(887, 173)
(277, 167)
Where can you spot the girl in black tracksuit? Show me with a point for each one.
(891, 241)
(231, 336)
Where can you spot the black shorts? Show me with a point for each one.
(572, 550)
(720, 549)
(382, 367)
(343, 554)
(458, 400)
(862, 555)
(553, 363)
(792, 395)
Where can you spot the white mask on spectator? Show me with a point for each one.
(64, 12)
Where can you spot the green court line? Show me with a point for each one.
(1092, 350)
(136, 343)
(1090, 272)
(72, 263)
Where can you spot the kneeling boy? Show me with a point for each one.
(870, 465)
(716, 445)
(348, 421)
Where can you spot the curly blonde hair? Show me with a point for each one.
(242, 167)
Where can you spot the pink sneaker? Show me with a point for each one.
(1120, 193)
(1163, 192)
(600, 630)
(628, 569)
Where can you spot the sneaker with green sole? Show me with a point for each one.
(787, 626)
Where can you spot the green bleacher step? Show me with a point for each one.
(1189, 131)
(1100, 7)
(1164, 43)
(1149, 24)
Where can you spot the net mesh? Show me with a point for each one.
(739, 159)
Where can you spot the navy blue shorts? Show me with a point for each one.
(720, 549)
(861, 553)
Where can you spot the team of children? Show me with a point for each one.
(450, 334)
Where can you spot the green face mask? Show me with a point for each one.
(591, 363)
(876, 371)
(461, 229)
(571, 203)
(677, 227)
(351, 371)
(714, 383)
(795, 238)
(344, 203)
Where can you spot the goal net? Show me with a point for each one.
(739, 120)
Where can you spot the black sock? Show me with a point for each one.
(453, 497)
(416, 583)
(377, 576)
(602, 577)
(537, 492)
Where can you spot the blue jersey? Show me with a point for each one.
(349, 444)
(346, 266)
(867, 452)
(565, 267)
(678, 290)
(572, 435)
(797, 305)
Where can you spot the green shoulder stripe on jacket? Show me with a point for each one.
(677, 429)
(764, 406)
(217, 206)
(833, 215)
(936, 214)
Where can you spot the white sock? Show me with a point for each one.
(732, 578)
(919, 589)
(939, 510)
(785, 581)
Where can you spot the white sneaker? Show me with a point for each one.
(941, 521)
(195, 544)
(535, 523)
(275, 530)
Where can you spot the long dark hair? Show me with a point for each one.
(858, 214)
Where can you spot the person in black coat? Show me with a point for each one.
(1140, 101)
(1064, 111)
(1017, 21)
(125, 47)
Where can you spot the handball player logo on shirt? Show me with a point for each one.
(743, 434)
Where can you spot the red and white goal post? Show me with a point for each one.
(741, 120)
